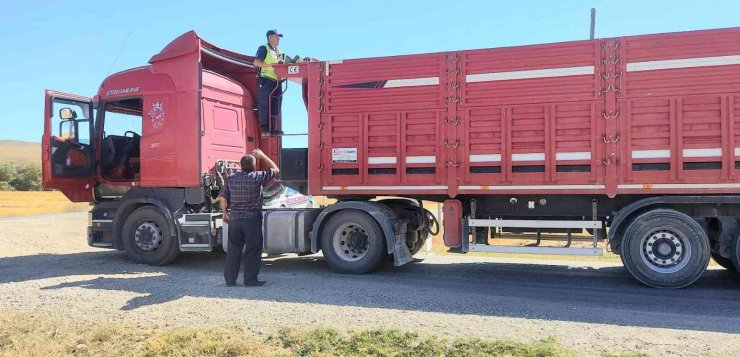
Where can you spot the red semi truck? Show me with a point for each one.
(635, 134)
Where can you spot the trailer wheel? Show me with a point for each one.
(353, 243)
(664, 248)
(146, 237)
(736, 254)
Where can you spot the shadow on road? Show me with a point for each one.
(551, 292)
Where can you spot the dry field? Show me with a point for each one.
(16, 203)
(19, 152)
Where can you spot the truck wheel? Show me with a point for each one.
(736, 254)
(353, 243)
(146, 238)
(664, 248)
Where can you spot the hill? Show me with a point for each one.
(19, 152)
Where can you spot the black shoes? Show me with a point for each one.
(255, 283)
(248, 284)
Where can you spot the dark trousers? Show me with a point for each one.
(268, 105)
(244, 232)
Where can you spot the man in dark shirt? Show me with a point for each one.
(243, 194)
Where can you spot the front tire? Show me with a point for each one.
(147, 238)
(664, 248)
(353, 243)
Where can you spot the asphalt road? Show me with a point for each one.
(591, 305)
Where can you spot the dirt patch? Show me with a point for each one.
(593, 308)
(16, 203)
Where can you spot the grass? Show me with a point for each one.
(27, 334)
(18, 203)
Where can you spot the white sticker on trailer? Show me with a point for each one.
(344, 155)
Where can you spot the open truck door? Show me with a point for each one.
(67, 146)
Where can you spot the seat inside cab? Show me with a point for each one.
(120, 148)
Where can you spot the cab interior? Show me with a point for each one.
(120, 152)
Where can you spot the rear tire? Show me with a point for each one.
(664, 248)
(353, 243)
(736, 254)
(147, 239)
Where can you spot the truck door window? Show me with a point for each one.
(120, 152)
(71, 153)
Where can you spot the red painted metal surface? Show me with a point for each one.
(452, 222)
(640, 114)
(77, 189)
(652, 114)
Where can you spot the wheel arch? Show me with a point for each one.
(382, 214)
(125, 210)
(684, 204)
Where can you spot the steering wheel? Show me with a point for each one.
(135, 135)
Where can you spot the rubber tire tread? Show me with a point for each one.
(698, 239)
(376, 249)
(167, 252)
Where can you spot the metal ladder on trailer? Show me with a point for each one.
(474, 246)
(537, 224)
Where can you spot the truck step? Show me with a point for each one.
(536, 250)
(525, 223)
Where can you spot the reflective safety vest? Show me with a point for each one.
(273, 56)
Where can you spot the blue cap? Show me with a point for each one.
(274, 32)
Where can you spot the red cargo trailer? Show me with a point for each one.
(635, 134)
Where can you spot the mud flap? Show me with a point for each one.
(401, 253)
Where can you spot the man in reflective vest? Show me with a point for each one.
(269, 90)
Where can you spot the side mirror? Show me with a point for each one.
(67, 114)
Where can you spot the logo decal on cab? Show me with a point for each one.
(157, 114)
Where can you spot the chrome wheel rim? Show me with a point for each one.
(148, 236)
(665, 251)
(351, 242)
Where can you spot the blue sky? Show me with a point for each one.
(70, 46)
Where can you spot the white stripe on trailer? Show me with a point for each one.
(650, 154)
(328, 63)
(683, 63)
(383, 188)
(530, 74)
(485, 158)
(702, 152)
(421, 159)
(381, 160)
(529, 223)
(536, 250)
(534, 187)
(411, 82)
(584, 155)
(534, 156)
(654, 186)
